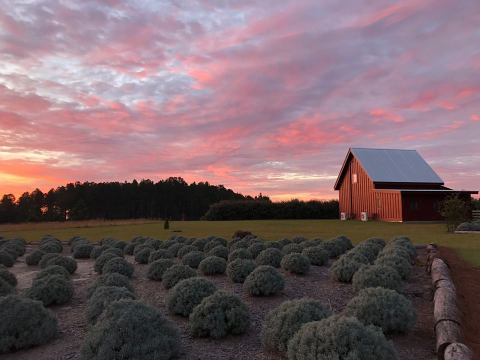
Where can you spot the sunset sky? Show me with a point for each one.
(261, 96)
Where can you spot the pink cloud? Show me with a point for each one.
(382, 114)
(260, 96)
(24, 102)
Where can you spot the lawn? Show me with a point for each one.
(467, 245)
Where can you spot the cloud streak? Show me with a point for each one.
(258, 96)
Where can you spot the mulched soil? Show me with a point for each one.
(467, 282)
(418, 344)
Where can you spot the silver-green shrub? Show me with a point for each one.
(102, 297)
(377, 276)
(154, 243)
(118, 265)
(218, 315)
(200, 243)
(6, 259)
(284, 321)
(317, 255)
(239, 254)
(299, 239)
(157, 268)
(214, 243)
(399, 263)
(377, 241)
(76, 240)
(14, 247)
(220, 251)
(264, 281)
(141, 247)
(113, 279)
(193, 259)
(25, 323)
(213, 265)
(344, 243)
(274, 245)
(256, 248)
(339, 338)
(395, 250)
(5, 287)
(64, 261)
(175, 274)
(113, 250)
(82, 251)
(8, 276)
(368, 249)
(53, 270)
(384, 308)
(159, 254)
(97, 251)
(292, 248)
(309, 243)
(132, 330)
(34, 257)
(239, 269)
(113, 243)
(51, 246)
(270, 256)
(173, 249)
(239, 244)
(129, 248)
(141, 256)
(187, 294)
(347, 265)
(101, 261)
(185, 249)
(284, 242)
(295, 263)
(46, 258)
(333, 248)
(406, 243)
(469, 226)
(51, 290)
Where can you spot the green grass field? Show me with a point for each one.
(467, 245)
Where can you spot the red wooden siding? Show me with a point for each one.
(389, 205)
(355, 198)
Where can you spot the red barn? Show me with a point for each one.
(391, 185)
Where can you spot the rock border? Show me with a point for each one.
(447, 316)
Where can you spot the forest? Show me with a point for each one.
(172, 198)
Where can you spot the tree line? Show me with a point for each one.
(172, 199)
(263, 208)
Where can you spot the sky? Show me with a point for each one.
(260, 96)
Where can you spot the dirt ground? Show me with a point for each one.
(467, 281)
(418, 344)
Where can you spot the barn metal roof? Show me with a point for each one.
(393, 166)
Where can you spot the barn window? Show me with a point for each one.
(354, 179)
